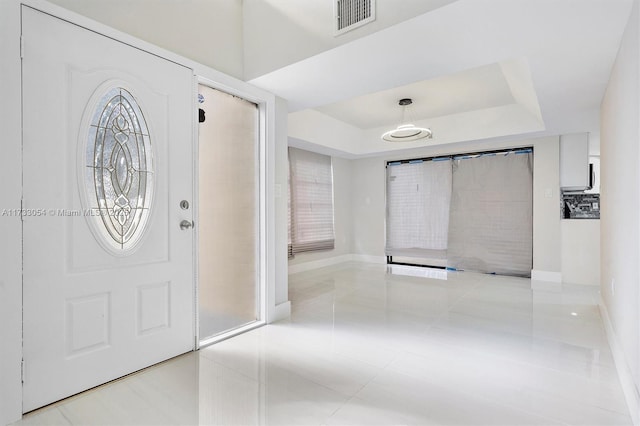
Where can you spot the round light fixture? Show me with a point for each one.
(406, 132)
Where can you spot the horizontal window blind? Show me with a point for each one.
(311, 202)
(289, 247)
(418, 198)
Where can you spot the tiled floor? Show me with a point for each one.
(367, 347)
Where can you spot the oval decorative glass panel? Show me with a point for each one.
(119, 170)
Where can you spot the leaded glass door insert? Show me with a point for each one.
(119, 171)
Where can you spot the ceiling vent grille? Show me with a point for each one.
(350, 14)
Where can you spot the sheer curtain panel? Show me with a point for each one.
(311, 185)
(491, 220)
(418, 198)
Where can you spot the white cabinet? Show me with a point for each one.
(574, 162)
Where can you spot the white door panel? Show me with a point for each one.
(92, 314)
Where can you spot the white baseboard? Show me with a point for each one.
(546, 286)
(548, 276)
(282, 311)
(315, 264)
(369, 258)
(624, 373)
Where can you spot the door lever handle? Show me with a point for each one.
(186, 224)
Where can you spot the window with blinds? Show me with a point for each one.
(311, 201)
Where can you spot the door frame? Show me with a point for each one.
(272, 133)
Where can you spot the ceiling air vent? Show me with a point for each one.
(352, 14)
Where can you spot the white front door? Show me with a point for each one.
(107, 163)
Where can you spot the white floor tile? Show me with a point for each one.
(365, 347)
(401, 399)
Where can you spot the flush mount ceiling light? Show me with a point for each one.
(406, 132)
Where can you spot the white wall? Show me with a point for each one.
(368, 189)
(620, 215)
(280, 32)
(317, 128)
(342, 174)
(206, 31)
(547, 241)
(581, 251)
(368, 198)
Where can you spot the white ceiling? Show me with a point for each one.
(483, 87)
(544, 62)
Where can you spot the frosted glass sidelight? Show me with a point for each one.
(228, 213)
(119, 170)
